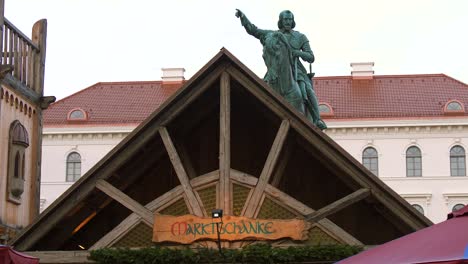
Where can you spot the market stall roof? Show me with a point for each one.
(446, 242)
(10, 256)
(224, 140)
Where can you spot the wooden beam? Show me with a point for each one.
(283, 198)
(193, 200)
(225, 144)
(190, 96)
(205, 179)
(119, 231)
(243, 178)
(279, 171)
(125, 200)
(56, 257)
(267, 170)
(338, 205)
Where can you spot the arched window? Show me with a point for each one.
(23, 162)
(413, 162)
(419, 208)
(73, 167)
(457, 161)
(17, 145)
(77, 114)
(325, 109)
(370, 160)
(17, 172)
(457, 207)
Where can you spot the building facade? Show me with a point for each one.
(409, 130)
(21, 106)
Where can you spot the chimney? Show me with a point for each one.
(362, 70)
(173, 75)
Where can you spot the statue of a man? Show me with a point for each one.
(299, 48)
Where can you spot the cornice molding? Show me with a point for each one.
(392, 129)
(85, 136)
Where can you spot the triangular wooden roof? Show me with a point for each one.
(224, 140)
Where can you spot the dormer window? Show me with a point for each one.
(325, 109)
(454, 107)
(77, 114)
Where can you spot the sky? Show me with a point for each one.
(91, 41)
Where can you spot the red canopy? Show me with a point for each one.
(443, 243)
(10, 256)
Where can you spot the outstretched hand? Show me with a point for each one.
(239, 13)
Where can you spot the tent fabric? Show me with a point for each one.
(443, 243)
(10, 256)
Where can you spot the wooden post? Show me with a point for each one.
(194, 202)
(225, 144)
(39, 36)
(265, 175)
(2, 22)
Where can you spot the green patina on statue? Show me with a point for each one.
(285, 73)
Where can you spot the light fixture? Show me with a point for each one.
(217, 213)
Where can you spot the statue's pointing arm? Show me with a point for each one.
(249, 27)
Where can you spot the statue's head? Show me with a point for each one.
(286, 20)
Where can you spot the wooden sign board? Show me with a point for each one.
(188, 228)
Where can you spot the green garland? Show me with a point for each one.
(257, 253)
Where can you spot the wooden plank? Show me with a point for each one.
(187, 162)
(404, 215)
(194, 202)
(267, 170)
(117, 232)
(271, 100)
(338, 205)
(339, 232)
(288, 200)
(225, 144)
(39, 36)
(296, 205)
(194, 94)
(65, 257)
(133, 219)
(188, 228)
(205, 179)
(279, 171)
(244, 178)
(125, 200)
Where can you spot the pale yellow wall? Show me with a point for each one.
(17, 215)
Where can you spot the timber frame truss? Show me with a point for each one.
(250, 138)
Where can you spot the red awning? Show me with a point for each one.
(443, 243)
(10, 256)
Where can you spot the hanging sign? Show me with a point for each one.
(188, 228)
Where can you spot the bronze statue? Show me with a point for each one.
(285, 73)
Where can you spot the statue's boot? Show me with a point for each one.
(321, 124)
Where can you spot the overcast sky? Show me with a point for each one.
(90, 41)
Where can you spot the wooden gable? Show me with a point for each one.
(224, 140)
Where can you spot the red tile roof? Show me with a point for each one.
(385, 96)
(112, 103)
(390, 96)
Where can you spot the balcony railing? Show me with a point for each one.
(25, 57)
